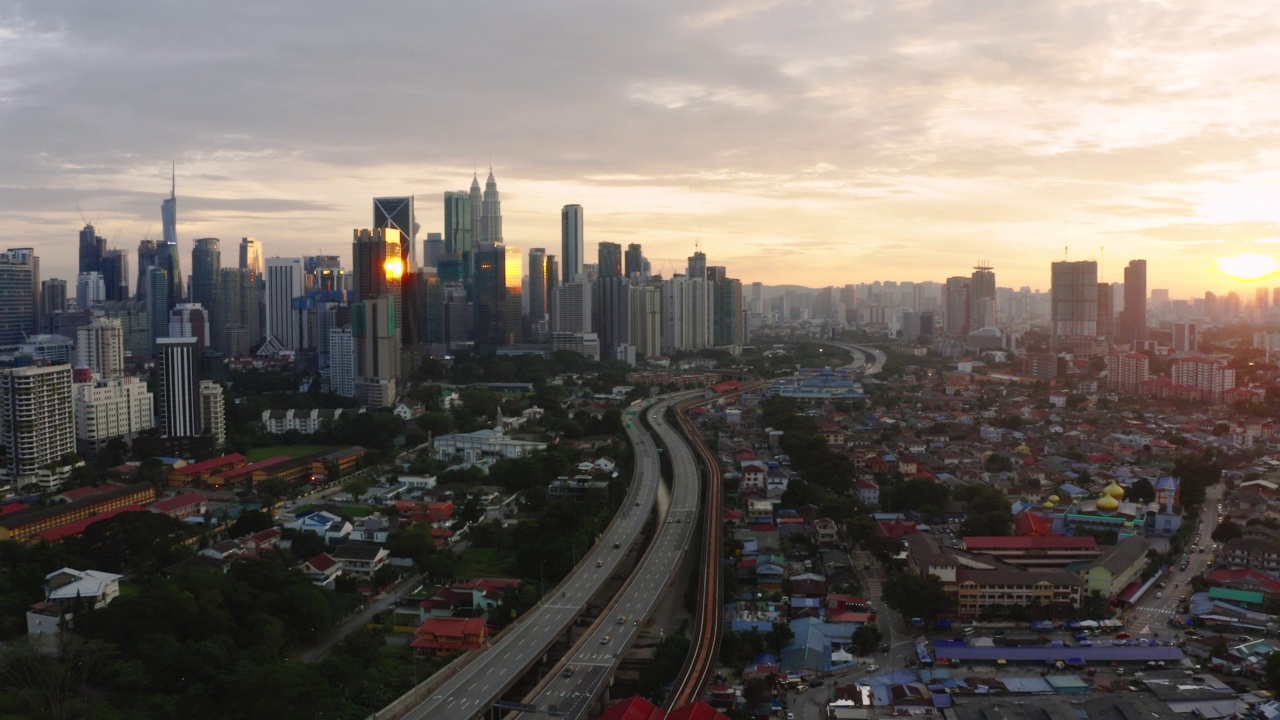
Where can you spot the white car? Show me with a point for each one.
(872, 668)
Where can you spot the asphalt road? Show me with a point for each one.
(1152, 613)
(485, 676)
(595, 658)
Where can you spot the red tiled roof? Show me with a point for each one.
(1056, 542)
(197, 468)
(176, 502)
(12, 507)
(1032, 523)
(246, 470)
(77, 527)
(85, 492)
(633, 708)
(452, 627)
(322, 563)
(697, 711)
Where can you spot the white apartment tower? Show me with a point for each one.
(284, 283)
(106, 409)
(342, 369)
(644, 306)
(213, 413)
(100, 346)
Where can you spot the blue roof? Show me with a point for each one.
(1167, 483)
(1052, 654)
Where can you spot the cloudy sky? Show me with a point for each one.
(798, 142)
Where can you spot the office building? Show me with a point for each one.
(53, 301)
(178, 382)
(90, 290)
(571, 243)
(48, 349)
(432, 250)
(135, 324)
(1074, 309)
(228, 311)
(169, 213)
(982, 298)
(146, 260)
(459, 233)
(376, 352)
(19, 283)
(190, 320)
(729, 315)
(93, 247)
(284, 282)
(697, 269)
(634, 265)
(100, 347)
(109, 409)
(1133, 318)
(397, 213)
(342, 349)
(537, 290)
(513, 295)
(206, 274)
(1186, 337)
(491, 213)
(475, 199)
(168, 259)
(115, 275)
(489, 302)
(37, 419)
(251, 256)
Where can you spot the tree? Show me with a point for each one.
(866, 639)
(917, 596)
(1141, 491)
(1273, 670)
(1226, 532)
(988, 513)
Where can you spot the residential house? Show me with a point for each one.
(361, 560)
(332, 528)
(868, 492)
(322, 570)
(1255, 553)
(443, 635)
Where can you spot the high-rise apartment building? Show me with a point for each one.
(1106, 312)
(612, 322)
(284, 283)
(489, 302)
(572, 248)
(374, 333)
(697, 269)
(135, 322)
(644, 304)
(537, 288)
(687, 305)
(37, 419)
(158, 304)
(1126, 371)
(1133, 318)
(432, 250)
(571, 308)
(729, 316)
(100, 347)
(190, 320)
(178, 373)
(1074, 310)
(955, 306)
(1186, 337)
(1209, 375)
(228, 312)
(982, 298)
(90, 290)
(342, 374)
(213, 411)
(107, 409)
(53, 301)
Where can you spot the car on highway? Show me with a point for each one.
(605, 640)
(622, 619)
(872, 668)
(599, 563)
(568, 671)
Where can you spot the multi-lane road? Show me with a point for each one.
(481, 679)
(569, 692)
(1154, 609)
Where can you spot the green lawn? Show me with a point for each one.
(291, 450)
(486, 562)
(359, 511)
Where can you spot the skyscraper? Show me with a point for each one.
(633, 266)
(251, 256)
(459, 234)
(53, 300)
(982, 298)
(537, 287)
(169, 210)
(178, 402)
(92, 249)
(397, 212)
(377, 351)
(955, 306)
(729, 316)
(1074, 309)
(284, 283)
(432, 250)
(698, 266)
(571, 242)
(609, 260)
(644, 303)
(1133, 319)
(190, 320)
(613, 319)
(206, 274)
(115, 275)
(228, 331)
(146, 261)
(489, 305)
(90, 290)
(1186, 337)
(158, 305)
(19, 310)
(475, 198)
(491, 212)
(167, 257)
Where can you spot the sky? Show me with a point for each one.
(811, 143)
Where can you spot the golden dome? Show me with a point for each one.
(1054, 498)
(1114, 490)
(1128, 523)
(1047, 504)
(1106, 503)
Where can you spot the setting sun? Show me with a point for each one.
(1247, 266)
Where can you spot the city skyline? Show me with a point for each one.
(746, 130)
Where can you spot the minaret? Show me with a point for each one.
(491, 212)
